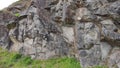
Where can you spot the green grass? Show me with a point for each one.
(14, 60)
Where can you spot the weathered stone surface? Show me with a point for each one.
(38, 37)
(68, 33)
(88, 44)
(4, 38)
(88, 30)
(114, 60)
(105, 50)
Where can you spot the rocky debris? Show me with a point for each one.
(88, 30)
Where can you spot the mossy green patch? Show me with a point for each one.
(17, 15)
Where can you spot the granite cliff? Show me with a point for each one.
(88, 30)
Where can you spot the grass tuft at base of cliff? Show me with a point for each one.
(14, 60)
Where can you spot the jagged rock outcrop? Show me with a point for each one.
(88, 30)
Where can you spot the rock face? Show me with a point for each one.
(88, 30)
